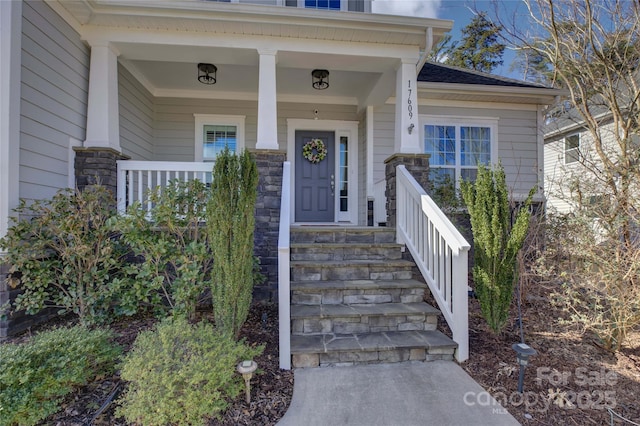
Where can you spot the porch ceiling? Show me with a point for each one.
(171, 71)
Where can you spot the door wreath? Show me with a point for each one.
(314, 151)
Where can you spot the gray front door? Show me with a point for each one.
(314, 180)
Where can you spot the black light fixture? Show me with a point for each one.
(207, 73)
(523, 352)
(320, 79)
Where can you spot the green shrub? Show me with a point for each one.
(181, 374)
(173, 248)
(35, 376)
(496, 242)
(65, 256)
(230, 223)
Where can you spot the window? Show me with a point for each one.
(457, 148)
(571, 149)
(350, 5)
(215, 132)
(322, 4)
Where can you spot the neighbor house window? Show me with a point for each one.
(214, 133)
(571, 149)
(350, 5)
(457, 148)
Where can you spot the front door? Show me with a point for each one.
(315, 176)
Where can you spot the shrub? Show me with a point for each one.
(173, 248)
(496, 242)
(597, 276)
(35, 376)
(230, 223)
(65, 254)
(181, 374)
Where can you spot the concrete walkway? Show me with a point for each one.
(404, 394)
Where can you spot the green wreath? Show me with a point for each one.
(314, 151)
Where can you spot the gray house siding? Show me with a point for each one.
(55, 78)
(517, 140)
(136, 117)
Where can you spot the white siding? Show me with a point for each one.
(517, 140)
(55, 73)
(136, 117)
(559, 176)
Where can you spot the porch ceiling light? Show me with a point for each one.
(207, 73)
(320, 79)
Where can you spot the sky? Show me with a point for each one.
(459, 11)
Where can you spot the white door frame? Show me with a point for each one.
(341, 128)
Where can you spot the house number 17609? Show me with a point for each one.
(409, 104)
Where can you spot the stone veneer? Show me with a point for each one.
(417, 165)
(97, 166)
(268, 219)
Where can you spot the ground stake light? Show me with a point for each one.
(523, 352)
(246, 368)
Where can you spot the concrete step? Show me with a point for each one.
(362, 318)
(356, 292)
(345, 251)
(342, 234)
(371, 348)
(310, 270)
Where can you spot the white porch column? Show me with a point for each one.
(10, 48)
(103, 127)
(267, 102)
(407, 132)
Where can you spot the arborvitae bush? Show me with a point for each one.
(496, 242)
(230, 223)
(63, 254)
(181, 374)
(35, 376)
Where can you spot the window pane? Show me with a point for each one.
(440, 176)
(322, 4)
(344, 174)
(469, 175)
(571, 149)
(475, 145)
(440, 142)
(216, 137)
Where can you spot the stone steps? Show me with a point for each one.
(345, 252)
(357, 291)
(354, 300)
(325, 350)
(356, 269)
(362, 318)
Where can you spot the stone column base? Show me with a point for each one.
(97, 166)
(268, 219)
(417, 165)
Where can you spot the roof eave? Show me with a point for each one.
(546, 96)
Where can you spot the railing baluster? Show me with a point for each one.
(440, 253)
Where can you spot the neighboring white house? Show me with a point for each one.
(86, 83)
(570, 157)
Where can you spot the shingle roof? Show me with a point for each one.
(438, 73)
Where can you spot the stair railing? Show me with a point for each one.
(440, 252)
(284, 274)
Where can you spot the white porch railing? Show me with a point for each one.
(284, 274)
(440, 252)
(136, 178)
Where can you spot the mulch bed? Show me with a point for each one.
(271, 389)
(570, 381)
